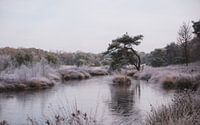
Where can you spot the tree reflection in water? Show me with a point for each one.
(122, 98)
(137, 88)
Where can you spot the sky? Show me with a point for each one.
(90, 25)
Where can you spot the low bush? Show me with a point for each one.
(122, 81)
(168, 85)
(184, 83)
(185, 110)
(180, 82)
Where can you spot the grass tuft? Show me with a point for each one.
(122, 81)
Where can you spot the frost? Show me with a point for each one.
(38, 70)
(173, 77)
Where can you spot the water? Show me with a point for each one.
(96, 96)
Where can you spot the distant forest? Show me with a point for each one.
(15, 57)
(185, 50)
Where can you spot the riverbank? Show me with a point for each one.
(172, 77)
(42, 76)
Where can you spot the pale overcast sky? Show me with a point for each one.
(89, 25)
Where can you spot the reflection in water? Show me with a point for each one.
(125, 104)
(122, 103)
(137, 88)
(122, 100)
(17, 106)
(30, 101)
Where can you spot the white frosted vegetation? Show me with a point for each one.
(69, 74)
(172, 76)
(97, 71)
(39, 75)
(23, 72)
(121, 80)
(183, 111)
(34, 74)
(72, 72)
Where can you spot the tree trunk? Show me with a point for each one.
(137, 64)
(186, 53)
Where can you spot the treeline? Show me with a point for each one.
(15, 57)
(185, 50)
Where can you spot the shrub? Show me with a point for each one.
(184, 83)
(168, 81)
(185, 110)
(97, 72)
(168, 85)
(122, 81)
(52, 59)
(21, 58)
(180, 82)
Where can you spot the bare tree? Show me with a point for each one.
(184, 36)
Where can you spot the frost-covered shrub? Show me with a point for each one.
(97, 72)
(72, 73)
(180, 81)
(168, 85)
(184, 83)
(18, 85)
(167, 80)
(24, 72)
(173, 77)
(121, 81)
(185, 110)
(36, 76)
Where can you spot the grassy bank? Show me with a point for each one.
(35, 76)
(42, 75)
(173, 77)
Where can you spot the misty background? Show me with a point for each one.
(89, 25)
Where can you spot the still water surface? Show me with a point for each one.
(96, 96)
